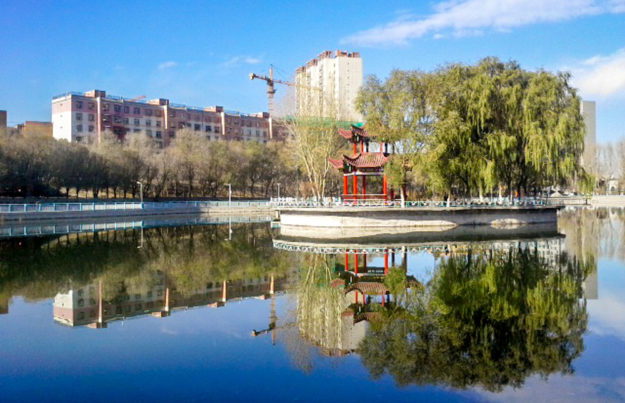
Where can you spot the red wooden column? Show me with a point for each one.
(354, 148)
(344, 185)
(364, 187)
(355, 186)
(386, 263)
(362, 146)
(346, 262)
(356, 263)
(364, 301)
(356, 297)
(385, 186)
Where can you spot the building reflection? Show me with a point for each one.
(91, 306)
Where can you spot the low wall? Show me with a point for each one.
(425, 218)
(65, 215)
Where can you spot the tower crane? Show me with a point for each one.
(271, 89)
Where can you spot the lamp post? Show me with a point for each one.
(229, 195)
(140, 192)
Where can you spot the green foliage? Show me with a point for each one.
(484, 320)
(465, 130)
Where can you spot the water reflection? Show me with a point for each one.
(481, 313)
(99, 277)
(490, 315)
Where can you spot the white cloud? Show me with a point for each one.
(601, 76)
(167, 65)
(238, 60)
(471, 16)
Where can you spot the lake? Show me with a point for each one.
(195, 311)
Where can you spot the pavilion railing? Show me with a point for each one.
(339, 202)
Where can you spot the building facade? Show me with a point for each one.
(35, 129)
(85, 117)
(329, 84)
(589, 158)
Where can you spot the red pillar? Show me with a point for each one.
(385, 186)
(364, 187)
(386, 263)
(362, 146)
(356, 263)
(354, 148)
(356, 297)
(344, 185)
(346, 262)
(364, 300)
(355, 186)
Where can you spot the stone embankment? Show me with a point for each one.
(65, 211)
(426, 218)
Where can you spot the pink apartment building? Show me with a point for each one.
(84, 117)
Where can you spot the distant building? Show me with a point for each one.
(35, 129)
(3, 123)
(589, 158)
(328, 85)
(79, 117)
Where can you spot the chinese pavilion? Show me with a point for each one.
(361, 163)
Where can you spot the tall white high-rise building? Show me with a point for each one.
(589, 158)
(328, 85)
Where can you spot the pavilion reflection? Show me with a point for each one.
(491, 313)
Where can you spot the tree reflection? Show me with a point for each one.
(487, 320)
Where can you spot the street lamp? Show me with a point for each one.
(229, 194)
(140, 192)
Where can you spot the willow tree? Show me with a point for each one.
(467, 129)
(397, 112)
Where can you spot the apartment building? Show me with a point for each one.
(32, 128)
(85, 117)
(589, 158)
(329, 84)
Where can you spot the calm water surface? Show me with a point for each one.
(199, 312)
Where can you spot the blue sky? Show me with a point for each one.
(200, 53)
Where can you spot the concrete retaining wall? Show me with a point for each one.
(444, 218)
(65, 215)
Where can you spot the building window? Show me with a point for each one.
(79, 128)
(196, 127)
(157, 113)
(257, 133)
(148, 112)
(91, 117)
(117, 108)
(126, 109)
(126, 121)
(106, 107)
(208, 128)
(172, 135)
(90, 128)
(78, 116)
(159, 135)
(137, 122)
(158, 123)
(91, 105)
(79, 104)
(217, 129)
(136, 130)
(136, 111)
(148, 122)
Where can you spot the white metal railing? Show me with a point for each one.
(99, 206)
(338, 202)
